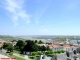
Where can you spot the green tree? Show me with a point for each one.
(47, 48)
(31, 46)
(40, 42)
(8, 46)
(20, 45)
(14, 41)
(36, 41)
(43, 48)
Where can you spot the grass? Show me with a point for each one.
(17, 58)
(18, 53)
(32, 57)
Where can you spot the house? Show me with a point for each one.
(61, 46)
(1, 42)
(69, 48)
(55, 47)
(14, 43)
(43, 45)
(61, 43)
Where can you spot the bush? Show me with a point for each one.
(11, 53)
(62, 51)
(31, 57)
(59, 52)
(34, 53)
(49, 52)
(50, 55)
(55, 52)
(39, 53)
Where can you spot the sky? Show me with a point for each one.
(39, 17)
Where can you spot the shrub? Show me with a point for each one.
(62, 51)
(59, 52)
(34, 53)
(55, 52)
(31, 57)
(11, 53)
(39, 53)
(49, 52)
(50, 55)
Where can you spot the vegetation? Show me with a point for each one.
(36, 41)
(7, 37)
(20, 45)
(30, 46)
(39, 53)
(33, 47)
(51, 53)
(40, 42)
(31, 57)
(8, 46)
(17, 58)
(34, 53)
(47, 53)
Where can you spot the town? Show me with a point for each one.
(39, 29)
(39, 50)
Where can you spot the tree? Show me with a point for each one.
(40, 42)
(20, 45)
(43, 48)
(8, 46)
(36, 41)
(47, 48)
(31, 46)
(14, 41)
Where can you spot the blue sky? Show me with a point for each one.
(39, 17)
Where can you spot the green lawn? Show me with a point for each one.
(18, 53)
(18, 58)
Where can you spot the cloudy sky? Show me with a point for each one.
(39, 17)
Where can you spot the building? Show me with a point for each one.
(62, 46)
(1, 42)
(69, 48)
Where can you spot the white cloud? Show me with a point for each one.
(15, 8)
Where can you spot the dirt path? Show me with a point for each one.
(24, 57)
(3, 56)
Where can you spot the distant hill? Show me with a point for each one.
(6, 37)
